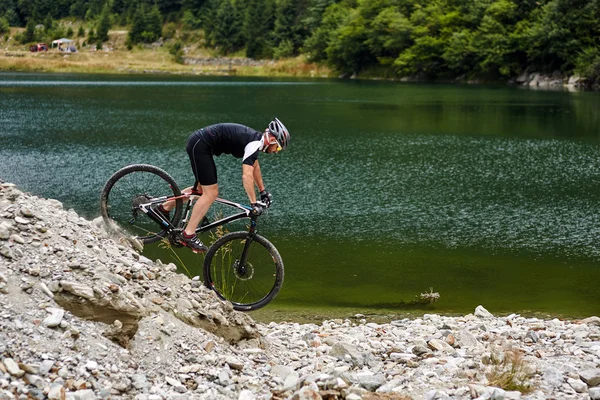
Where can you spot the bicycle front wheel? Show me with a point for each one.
(126, 190)
(248, 285)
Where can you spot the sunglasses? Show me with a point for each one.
(274, 141)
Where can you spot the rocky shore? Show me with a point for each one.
(83, 316)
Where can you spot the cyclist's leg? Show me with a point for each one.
(205, 171)
(196, 189)
(210, 193)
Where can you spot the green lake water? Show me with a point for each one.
(489, 195)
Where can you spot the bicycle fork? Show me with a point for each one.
(249, 239)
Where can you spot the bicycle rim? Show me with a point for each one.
(131, 186)
(249, 286)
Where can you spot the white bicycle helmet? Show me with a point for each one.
(277, 129)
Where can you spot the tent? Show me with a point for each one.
(60, 42)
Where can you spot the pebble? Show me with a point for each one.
(55, 317)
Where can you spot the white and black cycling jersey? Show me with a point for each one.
(238, 140)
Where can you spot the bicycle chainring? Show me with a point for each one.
(173, 240)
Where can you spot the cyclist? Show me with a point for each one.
(241, 142)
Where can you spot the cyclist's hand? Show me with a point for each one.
(258, 208)
(266, 197)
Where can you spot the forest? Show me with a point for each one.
(430, 40)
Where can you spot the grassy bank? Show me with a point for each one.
(115, 58)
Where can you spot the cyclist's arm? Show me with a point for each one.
(258, 177)
(248, 181)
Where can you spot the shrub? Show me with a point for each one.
(284, 50)
(4, 25)
(509, 371)
(169, 31)
(587, 64)
(177, 51)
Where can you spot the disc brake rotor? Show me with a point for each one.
(245, 272)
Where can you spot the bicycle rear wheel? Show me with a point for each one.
(126, 190)
(247, 286)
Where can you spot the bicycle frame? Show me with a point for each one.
(246, 212)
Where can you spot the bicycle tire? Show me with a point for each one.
(117, 205)
(257, 285)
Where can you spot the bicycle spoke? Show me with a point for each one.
(126, 190)
(247, 286)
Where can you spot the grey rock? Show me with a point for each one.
(370, 381)
(4, 232)
(591, 376)
(281, 371)
(234, 363)
(57, 392)
(343, 351)
(553, 377)
(5, 251)
(309, 392)
(533, 336)
(246, 395)
(45, 367)
(22, 221)
(139, 381)
(592, 321)
(439, 345)
(86, 394)
(481, 312)
(91, 365)
(77, 289)
(577, 385)
(12, 367)
(291, 381)
(435, 394)
(55, 317)
(594, 393)
(26, 212)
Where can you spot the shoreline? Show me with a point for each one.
(83, 316)
(153, 62)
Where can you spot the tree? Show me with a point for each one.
(29, 34)
(137, 26)
(227, 29)
(316, 45)
(258, 20)
(388, 34)
(103, 25)
(4, 26)
(347, 50)
(154, 22)
(48, 23)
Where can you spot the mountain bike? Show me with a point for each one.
(241, 267)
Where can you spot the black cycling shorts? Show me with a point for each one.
(201, 158)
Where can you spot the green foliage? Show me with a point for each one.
(257, 25)
(29, 34)
(4, 26)
(12, 17)
(588, 64)
(176, 51)
(494, 39)
(103, 26)
(146, 26)
(169, 31)
(48, 23)
(69, 32)
(226, 33)
(284, 50)
(91, 36)
(80, 31)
